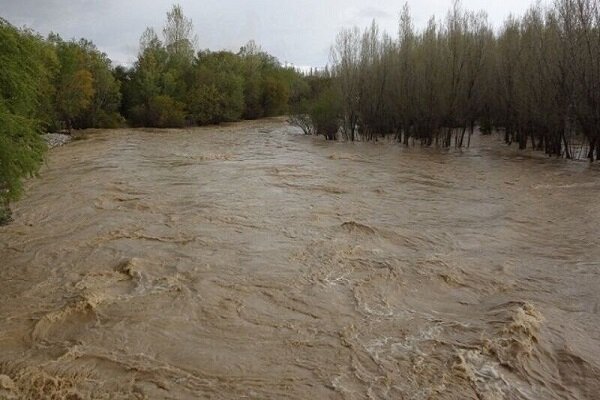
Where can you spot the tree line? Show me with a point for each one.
(171, 85)
(536, 80)
(48, 84)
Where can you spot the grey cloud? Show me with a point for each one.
(299, 32)
(375, 13)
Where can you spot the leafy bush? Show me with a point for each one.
(108, 120)
(21, 152)
(165, 112)
(325, 114)
(275, 96)
(22, 79)
(160, 112)
(216, 94)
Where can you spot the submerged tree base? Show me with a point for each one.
(5, 216)
(536, 78)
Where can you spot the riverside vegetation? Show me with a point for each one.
(247, 260)
(50, 84)
(536, 80)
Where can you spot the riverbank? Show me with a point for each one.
(56, 139)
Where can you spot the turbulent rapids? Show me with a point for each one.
(250, 261)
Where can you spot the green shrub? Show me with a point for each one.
(275, 96)
(325, 114)
(22, 77)
(165, 112)
(108, 120)
(160, 112)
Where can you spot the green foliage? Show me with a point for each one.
(165, 112)
(216, 94)
(267, 86)
(103, 111)
(86, 92)
(23, 81)
(21, 151)
(161, 111)
(275, 95)
(213, 87)
(315, 105)
(49, 84)
(46, 84)
(178, 34)
(146, 79)
(252, 96)
(325, 113)
(74, 95)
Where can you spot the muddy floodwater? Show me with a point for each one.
(249, 261)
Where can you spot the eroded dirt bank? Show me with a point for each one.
(250, 261)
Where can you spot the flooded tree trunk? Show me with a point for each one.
(592, 150)
(462, 136)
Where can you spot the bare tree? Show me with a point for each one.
(345, 58)
(537, 79)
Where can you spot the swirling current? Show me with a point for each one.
(248, 261)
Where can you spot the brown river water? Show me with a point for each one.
(249, 261)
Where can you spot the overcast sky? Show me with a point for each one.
(300, 32)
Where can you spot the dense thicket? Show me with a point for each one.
(87, 94)
(45, 85)
(24, 80)
(537, 79)
(171, 85)
(49, 84)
